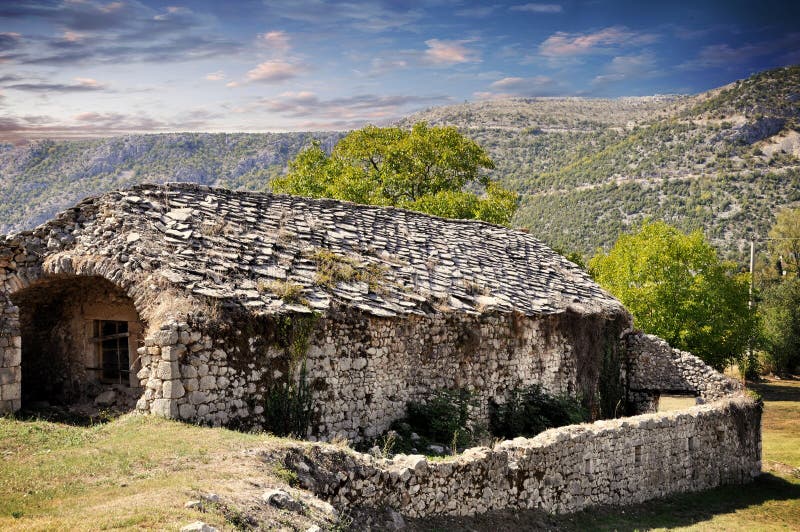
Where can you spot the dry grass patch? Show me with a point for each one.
(333, 268)
(287, 291)
(134, 472)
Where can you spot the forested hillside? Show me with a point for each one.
(723, 161)
(40, 179)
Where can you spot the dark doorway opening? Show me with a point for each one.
(80, 337)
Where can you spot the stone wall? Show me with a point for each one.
(655, 368)
(622, 461)
(362, 369)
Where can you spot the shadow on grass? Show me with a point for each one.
(57, 414)
(788, 390)
(676, 511)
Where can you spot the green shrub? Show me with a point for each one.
(444, 417)
(530, 411)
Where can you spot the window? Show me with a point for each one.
(111, 338)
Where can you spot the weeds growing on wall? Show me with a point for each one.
(441, 425)
(333, 268)
(529, 411)
(289, 405)
(445, 424)
(610, 386)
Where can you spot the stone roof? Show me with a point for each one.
(277, 253)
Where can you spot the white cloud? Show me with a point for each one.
(569, 44)
(89, 82)
(538, 8)
(273, 71)
(522, 87)
(276, 41)
(627, 67)
(441, 52)
(219, 75)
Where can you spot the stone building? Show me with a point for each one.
(206, 305)
(197, 302)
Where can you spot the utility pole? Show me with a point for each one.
(750, 357)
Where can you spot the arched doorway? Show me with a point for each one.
(80, 336)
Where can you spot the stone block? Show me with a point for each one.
(164, 338)
(197, 398)
(188, 371)
(12, 357)
(168, 370)
(173, 352)
(9, 375)
(167, 408)
(209, 382)
(191, 385)
(187, 411)
(173, 389)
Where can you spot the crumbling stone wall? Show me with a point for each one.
(655, 368)
(619, 462)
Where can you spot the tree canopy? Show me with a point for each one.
(676, 287)
(784, 240)
(430, 169)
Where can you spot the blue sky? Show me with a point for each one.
(87, 67)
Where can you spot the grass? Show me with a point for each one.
(134, 472)
(138, 471)
(333, 268)
(288, 291)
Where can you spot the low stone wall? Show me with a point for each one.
(616, 462)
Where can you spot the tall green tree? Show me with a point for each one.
(676, 288)
(784, 243)
(430, 169)
(780, 314)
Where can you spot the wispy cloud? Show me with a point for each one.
(442, 52)
(359, 109)
(94, 124)
(511, 86)
(380, 66)
(96, 32)
(219, 75)
(477, 11)
(358, 15)
(81, 85)
(272, 71)
(9, 40)
(728, 56)
(562, 44)
(276, 41)
(538, 8)
(627, 68)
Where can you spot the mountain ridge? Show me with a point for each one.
(587, 169)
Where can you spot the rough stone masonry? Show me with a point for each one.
(223, 296)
